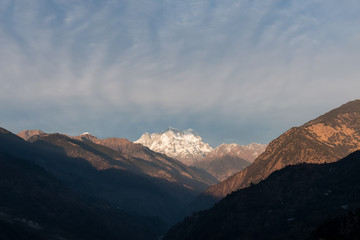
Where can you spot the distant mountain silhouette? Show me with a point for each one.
(327, 138)
(36, 205)
(289, 204)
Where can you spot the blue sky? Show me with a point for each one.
(234, 71)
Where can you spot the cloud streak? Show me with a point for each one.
(120, 67)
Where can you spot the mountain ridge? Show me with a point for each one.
(124, 173)
(247, 152)
(187, 146)
(327, 138)
(221, 162)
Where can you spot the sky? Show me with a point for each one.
(235, 71)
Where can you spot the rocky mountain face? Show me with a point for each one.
(289, 204)
(35, 204)
(27, 134)
(228, 159)
(183, 145)
(327, 138)
(128, 175)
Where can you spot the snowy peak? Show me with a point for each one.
(184, 145)
(86, 136)
(247, 152)
(188, 147)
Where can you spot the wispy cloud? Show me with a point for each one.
(181, 63)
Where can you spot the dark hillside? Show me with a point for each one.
(289, 204)
(35, 205)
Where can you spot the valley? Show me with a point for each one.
(161, 178)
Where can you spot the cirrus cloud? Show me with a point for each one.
(240, 70)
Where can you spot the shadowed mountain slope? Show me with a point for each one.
(289, 204)
(36, 205)
(129, 149)
(327, 138)
(344, 227)
(222, 167)
(154, 185)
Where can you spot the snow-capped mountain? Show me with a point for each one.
(184, 145)
(247, 152)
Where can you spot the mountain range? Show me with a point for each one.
(55, 186)
(188, 147)
(125, 174)
(185, 145)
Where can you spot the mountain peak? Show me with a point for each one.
(184, 145)
(86, 136)
(344, 110)
(27, 134)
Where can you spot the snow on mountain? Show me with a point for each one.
(247, 152)
(184, 145)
